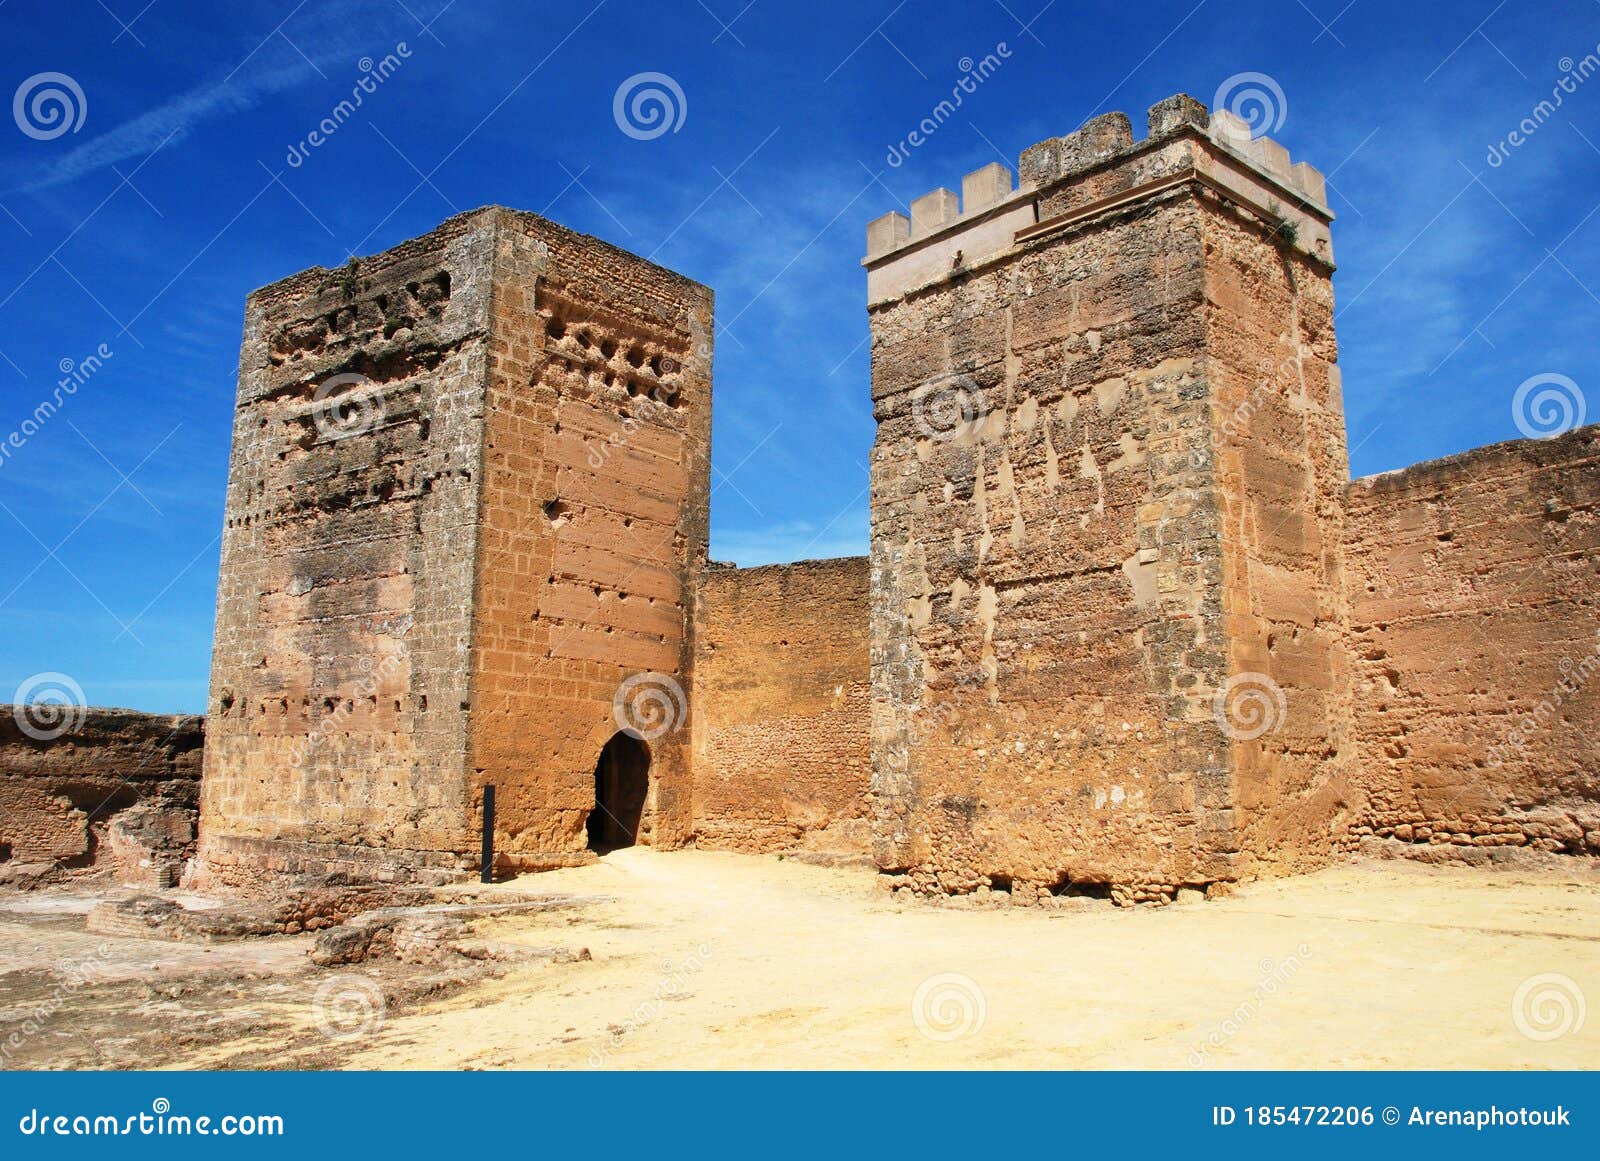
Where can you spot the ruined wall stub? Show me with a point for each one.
(466, 503)
(99, 787)
(1105, 488)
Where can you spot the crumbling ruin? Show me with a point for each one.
(1127, 628)
(104, 788)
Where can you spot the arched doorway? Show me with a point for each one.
(621, 779)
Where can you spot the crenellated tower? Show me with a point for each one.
(1106, 520)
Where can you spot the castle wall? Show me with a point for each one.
(1125, 626)
(596, 489)
(782, 702)
(61, 793)
(1472, 584)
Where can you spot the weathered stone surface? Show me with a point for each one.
(150, 842)
(1476, 648)
(27, 876)
(438, 933)
(301, 904)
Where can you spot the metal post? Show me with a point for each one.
(486, 875)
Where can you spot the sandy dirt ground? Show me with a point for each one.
(705, 960)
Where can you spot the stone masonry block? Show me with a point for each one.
(984, 187)
(1172, 114)
(932, 210)
(887, 233)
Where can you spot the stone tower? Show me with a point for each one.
(1106, 517)
(466, 513)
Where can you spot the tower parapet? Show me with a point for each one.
(1095, 170)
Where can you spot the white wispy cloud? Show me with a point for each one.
(324, 36)
(162, 126)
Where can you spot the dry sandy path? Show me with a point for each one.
(705, 960)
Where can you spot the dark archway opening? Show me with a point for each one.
(621, 780)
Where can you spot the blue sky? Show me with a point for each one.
(143, 228)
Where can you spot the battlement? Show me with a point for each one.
(1098, 169)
